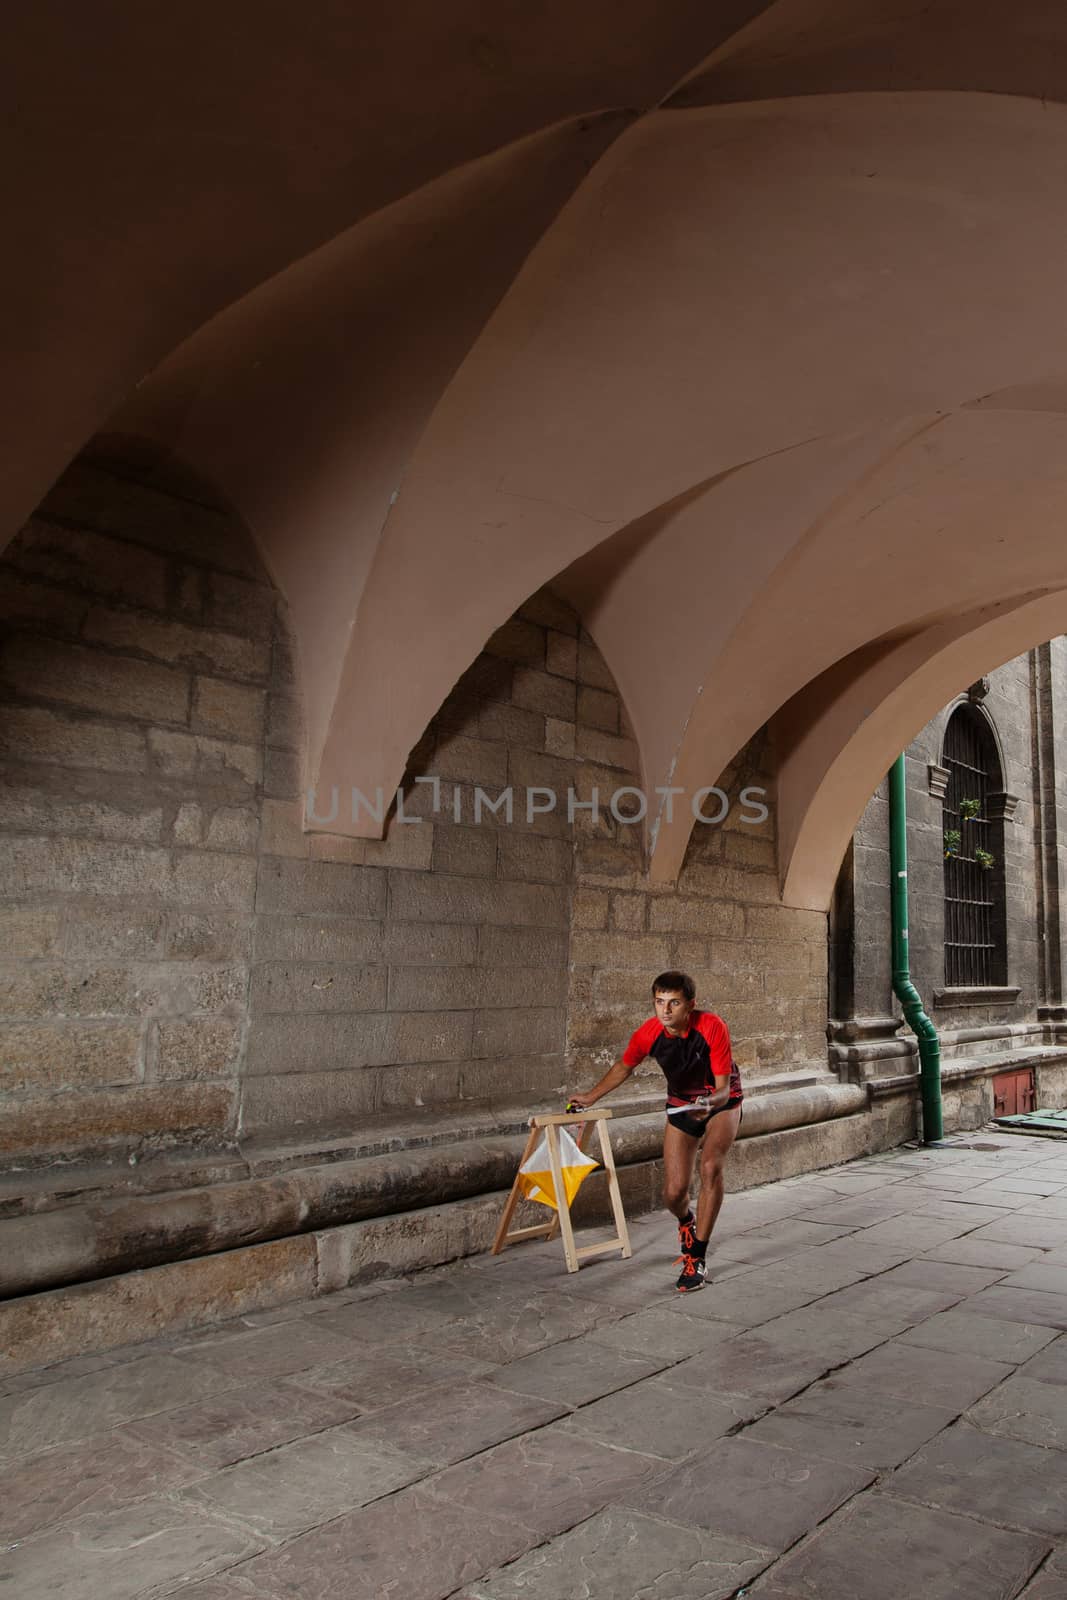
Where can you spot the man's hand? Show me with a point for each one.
(580, 1102)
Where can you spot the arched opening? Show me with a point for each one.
(976, 952)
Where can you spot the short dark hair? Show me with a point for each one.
(669, 981)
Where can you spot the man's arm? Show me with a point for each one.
(612, 1078)
(721, 1052)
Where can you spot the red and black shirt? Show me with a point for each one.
(690, 1061)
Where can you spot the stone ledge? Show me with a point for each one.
(63, 1184)
(990, 995)
(962, 1069)
(87, 1318)
(82, 1242)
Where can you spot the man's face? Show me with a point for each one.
(672, 1009)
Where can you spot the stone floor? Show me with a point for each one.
(868, 1401)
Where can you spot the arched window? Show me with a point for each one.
(975, 920)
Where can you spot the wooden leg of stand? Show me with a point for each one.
(562, 1211)
(613, 1191)
(513, 1198)
(585, 1133)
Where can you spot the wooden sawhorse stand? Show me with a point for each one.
(561, 1222)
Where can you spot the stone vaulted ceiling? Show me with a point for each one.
(743, 325)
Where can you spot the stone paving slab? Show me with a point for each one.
(374, 1379)
(859, 1175)
(283, 1492)
(948, 1179)
(909, 1370)
(506, 1329)
(878, 1550)
(817, 1271)
(943, 1277)
(776, 1241)
(984, 1253)
(748, 1489)
(547, 1481)
(576, 1372)
(123, 1554)
(1050, 1364)
(241, 1422)
(617, 1554)
(867, 1259)
(1022, 1305)
(856, 1424)
(864, 1211)
(753, 1365)
(74, 1408)
(1032, 1183)
(73, 1367)
(1046, 1233)
(892, 1304)
(826, 1334)
(621, 1287)
(96, 1475)
(661, 1418)
(995, 1338)
(404, 1315)
(1000, 1480)
(1051, 1278)
(271, 1352)
(410, 1546)
(959, 1207)
(746, 1302)
(907, 1230)
(1025, 1408)
(454, 1421)
(658, 1332)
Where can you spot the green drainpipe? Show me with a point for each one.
(903, 988)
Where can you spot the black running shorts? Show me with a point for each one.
(696, 1127)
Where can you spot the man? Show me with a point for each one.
(703, 1104)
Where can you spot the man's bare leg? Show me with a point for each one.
(722, 1131)
(679, 1157)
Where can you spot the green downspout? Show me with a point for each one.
(903, 988)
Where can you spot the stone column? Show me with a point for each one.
(864, 1041)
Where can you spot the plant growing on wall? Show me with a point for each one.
(969, 809)
(952, 843)
(984, 859)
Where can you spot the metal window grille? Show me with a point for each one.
(974, 919)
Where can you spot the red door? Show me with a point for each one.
(1013, 1092)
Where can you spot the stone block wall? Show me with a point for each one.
(182, 965)
(762, 966)
(430, 966)
(137, 677)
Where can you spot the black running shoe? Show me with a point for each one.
(692, 1274)
(687, 1234)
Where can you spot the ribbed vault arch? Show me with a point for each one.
(739, 328)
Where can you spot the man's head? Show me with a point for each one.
(673, 994)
